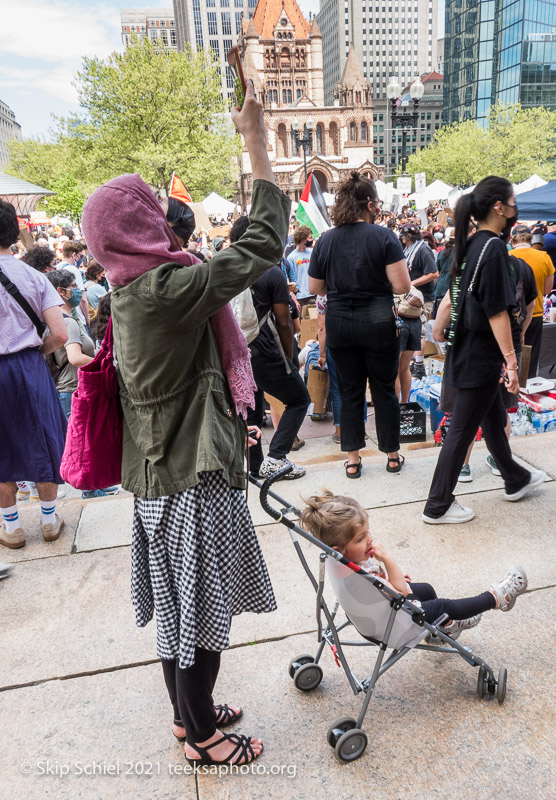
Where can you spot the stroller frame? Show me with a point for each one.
(346, 734)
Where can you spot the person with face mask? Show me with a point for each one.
(79, 348)
(480, 351)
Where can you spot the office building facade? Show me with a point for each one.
(498, 51)
(390, 37)
(156, 24)
(215, 25)
(9, 129)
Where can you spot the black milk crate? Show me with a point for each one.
(413, 423)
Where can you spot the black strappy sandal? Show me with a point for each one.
(356, 467)
(243, 750)
(400, 460)
(224, 716)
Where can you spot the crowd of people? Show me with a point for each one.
(193, 371)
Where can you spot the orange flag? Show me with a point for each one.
(178, 190)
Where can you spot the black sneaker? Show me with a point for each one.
(417, 370)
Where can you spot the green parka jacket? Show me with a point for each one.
(179, 418)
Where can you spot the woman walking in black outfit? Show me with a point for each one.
(480, 349)
(359, 265)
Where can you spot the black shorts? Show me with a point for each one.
(410, 334)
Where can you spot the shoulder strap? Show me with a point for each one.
(488, 241)
(12, 289)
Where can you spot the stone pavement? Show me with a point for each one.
(83, 705)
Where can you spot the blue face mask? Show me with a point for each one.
(75, 298)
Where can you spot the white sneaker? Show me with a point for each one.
(456, 626)
(269, 468)
(537, 477)
(509, 588)
(456, 513)
(465, 475)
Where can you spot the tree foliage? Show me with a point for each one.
(143, 111)
(517, 143)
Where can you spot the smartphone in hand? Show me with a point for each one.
(234, 62)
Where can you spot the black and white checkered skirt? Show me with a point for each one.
(196, 561)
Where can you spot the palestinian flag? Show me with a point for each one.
(178, 190)
(312, 209)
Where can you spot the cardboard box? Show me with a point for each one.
(275, 404)
(435, 364)
(318, 384)
(313, 313)
(430, 348)
(309, 330)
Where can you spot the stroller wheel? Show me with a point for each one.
(351, 745)
(307, 677)
(299, 662)
(501, 687)
(482, 681)
(339, 727)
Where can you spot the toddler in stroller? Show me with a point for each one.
(341, 523)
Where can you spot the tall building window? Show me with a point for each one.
(229, 78)
(238, 22)
(363, 131)
(212, 23)
(352, 132)
(226, 23)
(225, 3)
(215, 45)
(173, 39)
(319, 132)
(211, 3)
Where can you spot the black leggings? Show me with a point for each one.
(434, 606)
(473, 407)
(190, 693)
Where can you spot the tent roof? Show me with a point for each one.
(23, 195)
(218, 206)
(538, 203)
(534, 182)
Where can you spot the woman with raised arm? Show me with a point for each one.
(185, 384)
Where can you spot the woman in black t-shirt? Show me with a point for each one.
(358, 265)
(480, 351)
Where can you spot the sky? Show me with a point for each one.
(43, 42)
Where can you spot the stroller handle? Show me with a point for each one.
(273, 512)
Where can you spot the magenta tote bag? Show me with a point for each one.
(93, 453)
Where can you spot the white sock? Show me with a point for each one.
(419, 359)
(22, 486)
(11, 518)
(48, 511)
(33, 488)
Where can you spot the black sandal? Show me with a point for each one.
(356, 467)
(245, 755)
(224, 716)
(400, 460)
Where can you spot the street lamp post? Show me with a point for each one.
(305, 141)
(401, 120)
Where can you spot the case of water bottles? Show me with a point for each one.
(420, 390)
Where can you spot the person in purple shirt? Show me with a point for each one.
(32, 423)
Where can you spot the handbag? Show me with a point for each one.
(411, 304)
(474, 317)
(94, 442)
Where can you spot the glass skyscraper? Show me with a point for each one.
(498, 50)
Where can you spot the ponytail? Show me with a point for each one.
(477, 205)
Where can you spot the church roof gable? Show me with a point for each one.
(268, 12)
(352, 73)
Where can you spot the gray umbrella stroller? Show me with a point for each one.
(383, 617)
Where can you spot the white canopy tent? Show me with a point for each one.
(217, 206)
(534, 182)
(329, 199)
(437, 190)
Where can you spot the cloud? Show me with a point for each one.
(59, 31)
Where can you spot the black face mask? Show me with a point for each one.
(510, 222)
(181, 217)
(309, 243)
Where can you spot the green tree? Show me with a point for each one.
(517, 143)
(69, 198)
(153, 113)
(143, 111)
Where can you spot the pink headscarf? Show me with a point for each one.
(126, 231)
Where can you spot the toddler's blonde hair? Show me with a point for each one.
(333, 518)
